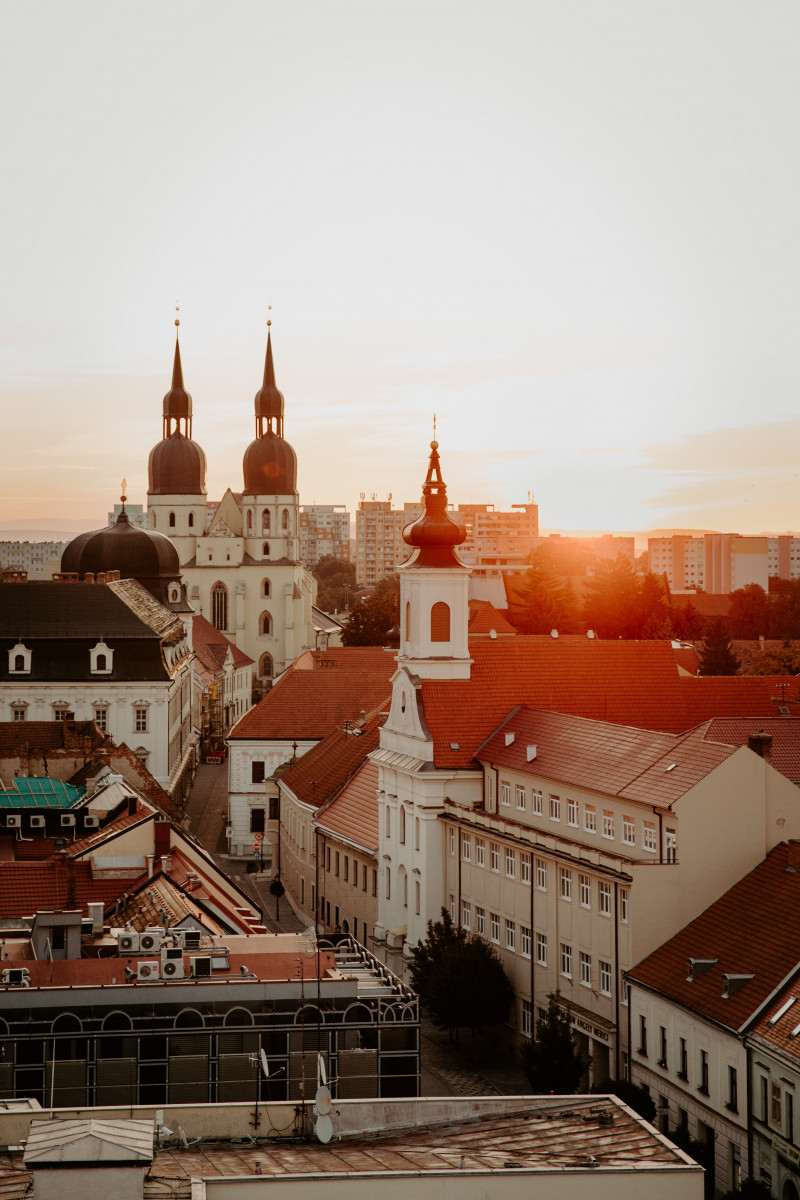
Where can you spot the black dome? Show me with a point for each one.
(270, 467)
(136, 553)
(177, 467)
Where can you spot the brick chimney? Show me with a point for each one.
(761, 744)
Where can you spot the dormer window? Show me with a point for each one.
(174, 593)
(19, 660)
(101, 658)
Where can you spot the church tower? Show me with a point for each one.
(434, 600)
(270, 504)
(176, 493)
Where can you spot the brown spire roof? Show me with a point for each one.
(434, 534)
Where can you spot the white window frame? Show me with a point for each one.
(494, 928)
(537, 807)
(480, 851)
(590, 818)
(585, 961)
(452, 836)
(572, 812)
(494, 856)
(511, 935)
(466, 847)
(565, 883)
(566, 960)
(628, 831)
(511, 863)
(526, 1027)
(541, 949)
(525, 941)
(605, 978)
(466, 914)
(585, 888)
(140, 718)
(604, 899)
(650, 836)
(521, 797)
(608, 824)
(525, 867)
(505, 793)
(480, 920)
(541, 874)
(623, 905)
(555, 807)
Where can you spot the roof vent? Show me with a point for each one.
(784, 711)
(671, 767)
(510, 738)
(531, 753)
(553, 633)
(699, 966)
(782, 1011)
(590, 633)
(732, 983)
(492, 633)
(454, 746)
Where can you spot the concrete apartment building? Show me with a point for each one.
(324, 532)
(39, 560)
(722, 562)
(379, 548)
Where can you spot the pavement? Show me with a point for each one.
(479, 1066)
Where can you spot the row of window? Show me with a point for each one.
(682, 1064)
(604, 820)
(347, 868)
(101, 659)
(62, 712)
(266, 521)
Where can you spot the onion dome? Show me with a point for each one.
(140, 554)
(270, 463)
(434, 534)
(177, 465)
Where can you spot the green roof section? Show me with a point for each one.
(40, 793)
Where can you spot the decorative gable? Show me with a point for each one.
(101, 659)
(19, 660)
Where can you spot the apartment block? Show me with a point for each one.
(723, 562)
(41, 560)
(324, 532)
(380, 548)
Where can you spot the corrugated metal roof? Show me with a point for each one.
(40, 792)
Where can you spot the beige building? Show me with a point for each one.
(324, 532)
(379, 547)
(722, 562)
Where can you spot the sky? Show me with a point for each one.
(567, 229)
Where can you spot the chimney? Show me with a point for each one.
(88, 577)
(761, 744)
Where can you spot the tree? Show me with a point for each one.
(687, 622)
(371, 621)
(716, 655)
(749, 612)
(554, 1063)
(543, 599)
(337, 582)
(611, 604)
(459, 978)
(783, 661)
(784, 603)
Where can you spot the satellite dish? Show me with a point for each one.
(322, 1101)
(264, 1064)
(323, 1129)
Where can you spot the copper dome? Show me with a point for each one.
(270, 467)
(136, 553)
(177, 467)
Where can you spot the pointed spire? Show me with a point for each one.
(177, 402)
(434, 534)
(269, 401)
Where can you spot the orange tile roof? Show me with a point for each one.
(319, 692)
(211, 646)
(484, 617)
(626, 683)
(320, 774)
(753, 929)
(26, 887)
(353, 814)
(687, 658)
(785, 733)
(782, 1033)
(634, 764)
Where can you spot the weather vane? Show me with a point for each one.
(123, 497)
(177, 310)
(434, 444)
(269, 319)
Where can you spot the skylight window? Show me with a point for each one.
(671, 767)
(782, 1011)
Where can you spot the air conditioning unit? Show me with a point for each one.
(171, 954)
(16, 977)
(37, 822)
(148, 970)
(191, 938)
(91, 822)
(67, 819)
(173, 968)
(13, 821)
(201, 966)
(149, 940)
(128, 943)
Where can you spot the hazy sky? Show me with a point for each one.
(569, 228)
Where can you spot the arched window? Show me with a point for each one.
(172, 520)
(265, 588)
(416, 897)
(265, 550)
(249, 520)
(265, 667)
(265, 624)
(404, 879)
(191, 520)
(100, 663)
(19, 662)
(440, 622)
(402, 824)
(285, 520)
(219, 606)
(408, 620)
(266, 522)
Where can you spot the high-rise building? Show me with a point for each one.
(39, 560)
(324, 532)
(723, 562)
(380, 548)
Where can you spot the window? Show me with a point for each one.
(265, 554)
(649, 836)
(480, 851)
(266, 667)
(257, 772)
(572, 813)
(525, 940)
(604, 892)
(555, 808)
(703, 1085)
(100, 717)
(140, 720)
(346, 869)
(19, 712)
(285, 520)
(511, 864)
(172, 520)
(511, 935)
(219, 606)
(683, 1060)
(466, 847)
(336, 867)
(585, 885)
(527, 1024)
(520, 797)
(605, 978)
(389, 888)
(257, 820)
(416, 833)
(564, 883)
(541, 874)
(62, 713)
(265, 587)
(662, 1046)
(440, 622)
(536, 802)
(266, 521)
(623, 904)
(505, 794)
(733, 1090)
(671, 846)
(643, 1036)
(525, 867)
(586, 969)
(416, 892)
(408, 621)
(589, 818)
(402, 825)
(191, 520)
(480, 920)
(628, 831)
(494, 927)
(541, 949)
(494, 856)
(374, 882)
(775, 1103)
(608, 823)
(566, 960)
(265, 624)
(452, 842)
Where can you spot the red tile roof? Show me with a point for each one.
(26, 887)
(484, 617)
(320, 774)
(779, 1033)
(634, 764)
(319, 692)
(353, 814)
(211, 646)
(687, 659)
(785, 731)
(753, 929)
(626, 683)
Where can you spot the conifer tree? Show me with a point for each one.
(716, 654)
(554, 1063)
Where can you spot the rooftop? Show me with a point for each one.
(353, 814)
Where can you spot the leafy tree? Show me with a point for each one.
(371, 621)
(687, 622)
(337, 582)
(716, 655)
(611, 600)
(655, 619)
(783, 661)
(554, 1063)
(749, 612)
(784, 604)
(544, 599)
(635, 1095)
(459, 978)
